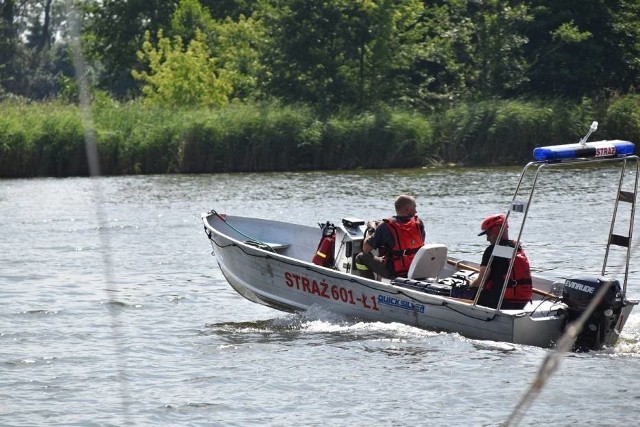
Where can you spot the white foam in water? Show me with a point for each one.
(318, 319)
(629, 341)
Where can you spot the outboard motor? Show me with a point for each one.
(599, 329)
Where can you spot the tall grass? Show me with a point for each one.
(623, 118)
(499, 132)
(47, 139)
(41, 140)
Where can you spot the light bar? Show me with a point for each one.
(611, 148)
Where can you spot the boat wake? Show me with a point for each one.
(629, 341)
(333, 328)
(329, 328)
(317, 320)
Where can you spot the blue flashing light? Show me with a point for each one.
(611, 148)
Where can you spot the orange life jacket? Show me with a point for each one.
(408, 239)
(520, 287)
(521, 274)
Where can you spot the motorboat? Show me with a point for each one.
(277, 264)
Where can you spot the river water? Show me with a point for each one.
(113, 311)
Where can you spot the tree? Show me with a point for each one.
(498, 67)
(237, 44)
(342, 52)
(189, 18)
(388, 62)
(584, 47)
(222, 9)
(115, 31)
(33, 58)
(180, 77)
(39, 33)
(8, 46)
(234, 42)
(439, 71)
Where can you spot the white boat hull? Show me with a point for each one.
(289, 284)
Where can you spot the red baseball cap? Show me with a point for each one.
(491, 221)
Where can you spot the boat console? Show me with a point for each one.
(349, 237)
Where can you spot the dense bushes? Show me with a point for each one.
(41, 140)
(623, 118)
(132, 138)
(506, 131)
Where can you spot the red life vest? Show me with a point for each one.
(408, 239)
(520, 287)
(521, 274)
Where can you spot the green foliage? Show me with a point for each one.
(136, 138)
(341, 52)
(132, 138)
(334, 54)
(496, 56)
(383, 139)
(46, 139)
(440, 66)
(567, 32)
(221, 54)
(590, 53)
(398, 41)
(283, 85)
(250, 138)
(623, 119)
(505, 131)
(114, 32)
(189, 18)
(41, 140)
(337, 54)
(237, 45)
(180, 77)
(517, 129)
(221, 9)
(462, 128)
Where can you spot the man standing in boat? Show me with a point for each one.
(519, 286)
(397, 240)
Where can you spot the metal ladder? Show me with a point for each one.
(620, 240)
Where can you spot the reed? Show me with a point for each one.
(46, 139)
(623, 118)
(41, 140)
(266, 137)
(502, 132)
(382, 139)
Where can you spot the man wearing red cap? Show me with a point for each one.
(519, 287)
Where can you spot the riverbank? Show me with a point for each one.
(47, 139)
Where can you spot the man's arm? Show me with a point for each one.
(367, 246)
(483, 267)
(481, 273)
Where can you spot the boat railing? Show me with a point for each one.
(529, 179)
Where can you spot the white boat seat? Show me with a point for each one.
(428, 262)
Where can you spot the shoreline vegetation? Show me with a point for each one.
(47, 139)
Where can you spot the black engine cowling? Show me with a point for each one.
(599, 329)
